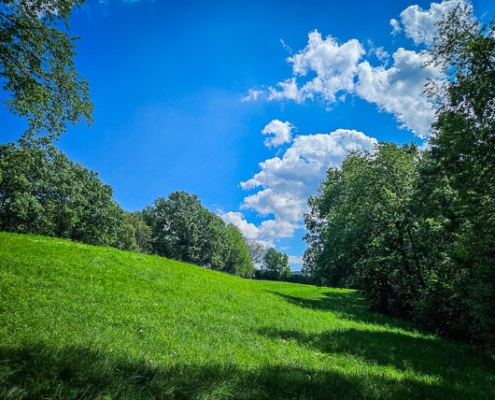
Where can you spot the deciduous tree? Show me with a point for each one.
(37, 66)
(183, 229)
(361, 230)
(462, 150)
(43, 192)
(275, 265)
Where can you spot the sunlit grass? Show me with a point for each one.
(85, 322)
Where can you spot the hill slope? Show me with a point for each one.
(78, 321)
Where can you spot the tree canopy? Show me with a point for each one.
(43, 192)
(463, 154)
(360, 229)
(414, 231)
(37, 67)
(274, 266)
(183, 229)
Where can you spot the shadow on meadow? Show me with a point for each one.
(464, 371)
(79, 373)
(346, 305)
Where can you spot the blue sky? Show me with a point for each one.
(246, 103)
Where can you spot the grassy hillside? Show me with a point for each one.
(85, 322)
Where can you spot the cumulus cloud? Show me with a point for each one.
(336, 70)
(420, 25)
(289, 91)
(334, 65)
(266, 233)
(282, 132)
(284, 183)
(400, 89)
(249, 230)
(340, 70)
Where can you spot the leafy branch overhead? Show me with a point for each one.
(37, 67)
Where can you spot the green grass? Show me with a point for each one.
(80, 322)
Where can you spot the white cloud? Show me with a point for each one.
(271, 230)
(289, 91)
(249, 230)
(265, 233)
(381, 54)
(252, 95)
(400, 89)
(334, 65)
(378, 52)
(285, 183)
(286, 47)
(420, 25)
(396, 28)
(336, 70)
(339, 70)
(281, 130)
(283, 203)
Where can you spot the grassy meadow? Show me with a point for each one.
(83, 322)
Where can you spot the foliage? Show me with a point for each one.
(275, 266)
(178, 225)
(463, 154)
(415, 231)
(43, 192)
(141, 233)
(89, 322)
(182, 229)
(237, 259)
(360, 228)
(37, 67)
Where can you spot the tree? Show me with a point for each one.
(178, 225)
(43, 192)
(37, 67)
(391, 272)
(182, 229)
(275, 265)
(415, 230)
(237, 256)
(141, 231)
(463, 154)
(361, 230)
(331, 257)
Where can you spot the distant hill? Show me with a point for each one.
(84, 322)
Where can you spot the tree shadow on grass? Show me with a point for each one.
(43, 372)
(464, 371)
(346, 305)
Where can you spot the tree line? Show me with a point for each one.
(43, 192)
(414, 229)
